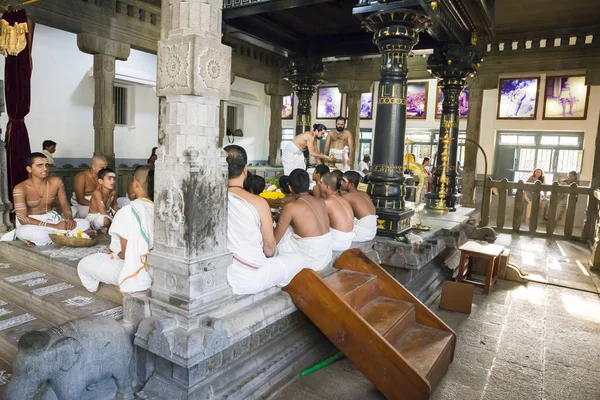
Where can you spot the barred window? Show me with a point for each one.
(120, 98)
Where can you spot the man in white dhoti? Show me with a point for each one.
(103, 205)
(341, 216)
(131, 238)
(340, 145)
(84, 184)
(33, 200)
(307, 215)
(250, 235)
(365, 222)
(293, 156)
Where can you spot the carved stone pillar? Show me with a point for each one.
(105, 52)
(395, 32)
(591, 229)
(354, 90)
(305, 76)
(5, 204)
(451, 64)
(276, 91)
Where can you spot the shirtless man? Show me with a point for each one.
(293, 156)
(365, 222)
(250, 235)
(84, 184)
(336, 142)
(33, 200)
(103, 204)
(340, 212)
(307, 215)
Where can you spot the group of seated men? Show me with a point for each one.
(309, 229)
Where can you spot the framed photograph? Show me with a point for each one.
(416, 100)
(329, 103)
(366, 105)
(566, 97)
(517, 98)
(463, 103)
(287, 112)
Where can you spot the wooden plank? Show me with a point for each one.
(485, 203)
(551, 214)
(518, 210)
(591, 216)
(535, 208)
(501, 212)
(570, 217)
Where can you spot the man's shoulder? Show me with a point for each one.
(55, 180)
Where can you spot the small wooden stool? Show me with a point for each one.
(490, 253)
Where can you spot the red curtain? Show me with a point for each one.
(17, 90)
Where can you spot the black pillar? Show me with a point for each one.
(395, 32)
(452, 64)
(305, 76)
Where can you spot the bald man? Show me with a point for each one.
(84, 185)
(341, 216)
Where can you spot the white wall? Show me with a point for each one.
(62, 99)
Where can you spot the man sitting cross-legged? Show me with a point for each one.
(84, 184)
(103, 204)
(307, 215)
(33, 200)
(340, 212)
(365, 223)
(250, 235)
(131, 237)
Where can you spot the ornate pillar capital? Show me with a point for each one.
(92, 44)
(278, 89)
(355, 86)
(483, 82)
(305, 76)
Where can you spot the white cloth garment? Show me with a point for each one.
(38, 235)
(49, 156)
(341, 240)
(365, 228)
(251, 271)
(292, 158)
(135, 223)
(341, 154)
(96, 220)
(82, 211)
(316, 251)
(123, 201)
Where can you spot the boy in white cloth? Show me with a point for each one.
(250, 235)
(103, 205)
(33, 200)
(293, 156)
(307, 215)
(365, 223)
(131, 238)
(84, 184)
(340, 212)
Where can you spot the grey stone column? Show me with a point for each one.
(105, 52)
(591, 228)
(276, 91)
(476, 87)
(221, 123)
(353, 90)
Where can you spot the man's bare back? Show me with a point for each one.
(307, 215)
(340, 213)
(361, 203)
(308, 140)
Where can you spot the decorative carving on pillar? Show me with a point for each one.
(395, 32)
(305, 76)
(169, 216)
(452, 64)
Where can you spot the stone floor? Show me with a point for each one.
(528, 342)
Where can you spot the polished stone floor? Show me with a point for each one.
(522, 342)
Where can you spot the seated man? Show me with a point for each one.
(320, 170)
(307, 215)
(250, 235)
(365, 223)
(131, 237)
(254, 184)
(33, 200)
(123, 201)
(340, 212)
(84, 184)
(103, 204)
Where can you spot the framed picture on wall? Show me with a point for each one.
(329, 102)
(463, 103)
(566, 97)
(366, 105)
(416, 100)
(287, 112)
(517, 98)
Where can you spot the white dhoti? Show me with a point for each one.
(99, 267)
(276, 271)
(341, 154)
(97, 220)
(316, 251)
(292, 158)
(81, 211)
(38, 235)
(365, 228)
(342, 241)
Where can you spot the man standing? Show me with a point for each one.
(84, 185)
(340, 212)
(364, 166)
(48, 148)
(33, 200)
(293, 156)
(365, 222)
(337, 142)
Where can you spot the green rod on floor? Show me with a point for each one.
(322, 364)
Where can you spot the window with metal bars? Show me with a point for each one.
(120, 98)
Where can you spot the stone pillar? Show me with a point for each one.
(451, 64)
(305, 76)
(105, 52)
(276, 91)
(395, 32)
(476, 86)
(353, 90)
(5, 204)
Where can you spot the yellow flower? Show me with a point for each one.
(80, 234)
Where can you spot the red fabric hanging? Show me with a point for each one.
(17, 90)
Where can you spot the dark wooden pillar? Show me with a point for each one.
(305, 76)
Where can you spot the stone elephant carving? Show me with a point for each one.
(72, 360)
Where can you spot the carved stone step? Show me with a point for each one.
(385, 314)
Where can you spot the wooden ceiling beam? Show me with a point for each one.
(254, 7)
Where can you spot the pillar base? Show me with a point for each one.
(391, 223)
(452, 200)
